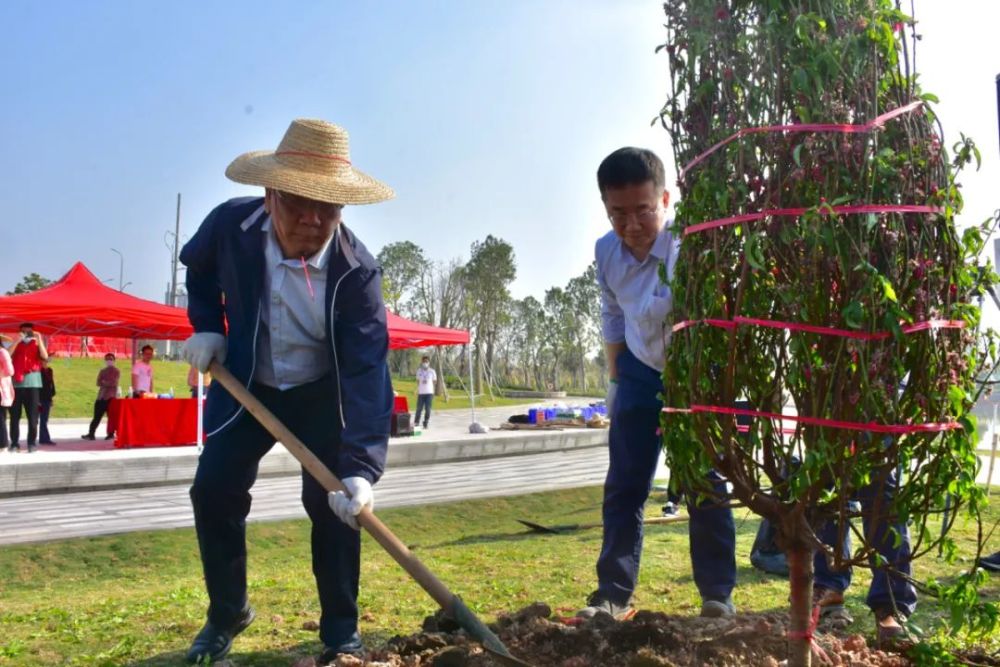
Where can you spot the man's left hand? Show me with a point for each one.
(348, 508)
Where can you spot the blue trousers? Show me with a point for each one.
(634, 449)
(424, 406)
(887, 591)
(221, 498)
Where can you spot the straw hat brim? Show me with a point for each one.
(352, 186)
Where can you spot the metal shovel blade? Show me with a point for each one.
(478, 631)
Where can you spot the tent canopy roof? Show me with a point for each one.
(79, 304)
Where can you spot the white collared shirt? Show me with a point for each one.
(635, 301)
(292, 348)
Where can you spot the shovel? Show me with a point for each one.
(556, 530)
(449, 602)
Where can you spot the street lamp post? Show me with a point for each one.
(121, 269)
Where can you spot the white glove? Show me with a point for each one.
(201, 348)
(348, 507)
(610, 400)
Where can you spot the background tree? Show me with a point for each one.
(487, 277)
(403, 263)
(30, 283)
(800, 256)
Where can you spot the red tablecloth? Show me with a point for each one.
(148, 422)
(400, 405)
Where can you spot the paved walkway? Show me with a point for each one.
(58, 516)
(444, 425)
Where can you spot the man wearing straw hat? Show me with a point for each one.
(290, 301)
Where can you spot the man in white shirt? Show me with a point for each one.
(426, 377)
(142, 373)
(635, 305)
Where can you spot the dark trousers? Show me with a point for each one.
(887, 591)
(44, 408)
(221, 498)
(424, 405)
(634, 449)
(25, 400)
(100, 408)
(4, 439)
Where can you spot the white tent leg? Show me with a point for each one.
(201, 408)
(472, 386)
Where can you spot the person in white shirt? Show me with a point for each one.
(426, 377)
(142, 373)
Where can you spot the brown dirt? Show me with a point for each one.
(648, 640)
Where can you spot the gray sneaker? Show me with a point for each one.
(598, 604)
(718, 608)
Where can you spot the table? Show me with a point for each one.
(154, 422)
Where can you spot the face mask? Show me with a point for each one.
(425, 365)
(25, 337)
(109, 362)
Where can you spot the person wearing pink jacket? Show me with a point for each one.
(6, 393)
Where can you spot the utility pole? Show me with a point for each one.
(121, 269)
(173, 259)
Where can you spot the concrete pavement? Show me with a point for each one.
(74, 464)
(42, 518)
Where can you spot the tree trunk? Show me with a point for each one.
(800, 570)
(441, 389)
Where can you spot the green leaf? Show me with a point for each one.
(796, 155)
(892, 324)
(887, 289)
(755, 255)
(854, 315)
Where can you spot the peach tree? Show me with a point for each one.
(823, 290)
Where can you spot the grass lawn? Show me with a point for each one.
(138, 599)
(76, 386)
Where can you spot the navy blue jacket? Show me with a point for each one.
(225, 283)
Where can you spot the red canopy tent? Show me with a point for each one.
(79, 304)
(405, 334)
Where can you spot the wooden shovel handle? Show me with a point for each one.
(371, 523)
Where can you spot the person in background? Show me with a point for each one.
(107, 383)
(6, 389)
(46, 397)
(426, 377)
(193, 381)
(142, 373)
(27, 355)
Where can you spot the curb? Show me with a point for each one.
(92, 473)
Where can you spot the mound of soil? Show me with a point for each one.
(650, 639)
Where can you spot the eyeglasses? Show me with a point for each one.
(298, 206)
(621, 219)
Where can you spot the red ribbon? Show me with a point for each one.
(809, 634)
(822, 210)
(804, 127)
(826, 331)
(872, 427)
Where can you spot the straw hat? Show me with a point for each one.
(312, 161)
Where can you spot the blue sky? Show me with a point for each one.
(486, 117)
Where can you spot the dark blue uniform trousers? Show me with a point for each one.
(887, 591)
(220, 494)
(634, 448)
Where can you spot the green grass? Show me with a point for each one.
(76, 386)
(138, 599)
